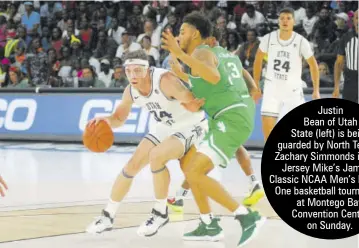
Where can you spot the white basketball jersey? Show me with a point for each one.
(284, 59)
(166, 111)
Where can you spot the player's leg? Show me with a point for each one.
(169, 149)
(176, 203)
(256, 191)
(173, 147)
(122, 185)
(217, 149)
(270, 108)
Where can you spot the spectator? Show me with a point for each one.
(31, 19)
(152, 30)
(115, 31)
(233, 42)
(299, 14)
(46, 38)
(135, 26)
(36, 63)
(90, 79)
(17, 79)
(248, 50)
(309, 21)
(65, 56)
(3, 25)
(56, 41)
(4, 72)
(252, 18)
(127, 45)
(146, 46)
(85, 34)
(14, 15)
(324, 26)
(119, 79)
(272, 16)
(106, 72)
(106, 46)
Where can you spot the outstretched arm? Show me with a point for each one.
(203, 63)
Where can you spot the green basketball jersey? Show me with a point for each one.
(229, 90)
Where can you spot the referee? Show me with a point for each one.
(348, 56)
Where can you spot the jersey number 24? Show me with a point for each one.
(278, 63)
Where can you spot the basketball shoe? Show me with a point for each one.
(151, 226)
(256, 193)
(211, 232)
(101, 224)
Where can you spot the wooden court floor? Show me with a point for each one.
(47, 222)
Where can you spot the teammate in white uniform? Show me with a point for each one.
(283, 84)
(180, 125)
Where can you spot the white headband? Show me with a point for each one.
(137, 62)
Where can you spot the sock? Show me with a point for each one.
(241, 211)
(112, 207)
(161, 205)
(207, 218)
(253, 179)
(181, 193)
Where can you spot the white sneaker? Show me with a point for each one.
(151, 226)
(101, 224)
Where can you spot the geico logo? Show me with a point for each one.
(136, 121)
(9, 117)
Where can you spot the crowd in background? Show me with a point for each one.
(81, 44)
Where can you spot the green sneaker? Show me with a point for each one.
(212, 232)
(250, 223)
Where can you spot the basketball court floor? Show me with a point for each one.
(55, 191)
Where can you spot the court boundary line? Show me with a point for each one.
(114, 229)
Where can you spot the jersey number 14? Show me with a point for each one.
(234, 72)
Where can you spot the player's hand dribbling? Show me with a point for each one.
(195, 105)
(96, 120)
(169, 43)
(3, 186)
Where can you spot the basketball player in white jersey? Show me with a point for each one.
(3, 186)
(256, 191)
(180, 125)
(283, 85)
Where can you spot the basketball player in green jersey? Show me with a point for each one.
(256, 191)
(215, 75)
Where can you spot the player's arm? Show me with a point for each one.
(339, 66)
(251, 84)
(203, 63)
(307, 53)
(119, 117)
(314, 72)
(177, 69)
(173, 88)
(257, 66)
(338, 69)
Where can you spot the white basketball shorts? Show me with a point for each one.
(278, 100)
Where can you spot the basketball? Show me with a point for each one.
(98, 138)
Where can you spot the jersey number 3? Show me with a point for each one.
(278, 64)
(234, 72)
